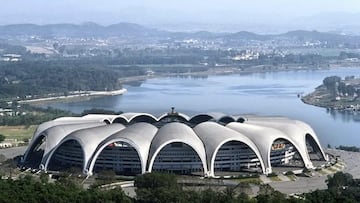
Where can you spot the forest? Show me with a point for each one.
(163, 188)
(39, 78)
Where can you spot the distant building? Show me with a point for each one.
(6, 112)
(5, 145)
(206, 144)
(11, 57)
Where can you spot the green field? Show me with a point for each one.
(274, 178)
(256, 180)
(18, 132)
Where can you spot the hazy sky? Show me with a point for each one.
(167, 11)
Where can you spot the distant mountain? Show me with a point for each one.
(322, 36)
(244, 35)
(340, 22)
(72, 30)
(134, 30)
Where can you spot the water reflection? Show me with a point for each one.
(259, 93)
(344, 116)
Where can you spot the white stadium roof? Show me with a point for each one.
(205, 136)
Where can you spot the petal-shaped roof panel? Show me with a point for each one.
(100, 117)
(67, 120)
(263, 137)
(89, 139)
(138, 135)
(131, 116)
(55, 134)
(296, 130)
(176, 132)
(177, 114)
(214, 135)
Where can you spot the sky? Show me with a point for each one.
(170, 11)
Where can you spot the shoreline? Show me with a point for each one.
(320, 97)
(74, 95)
(221, 70)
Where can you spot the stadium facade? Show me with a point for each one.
(206, 144)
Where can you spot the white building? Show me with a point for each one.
(205, 144)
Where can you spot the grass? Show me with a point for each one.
(274, 178)
(292, 177)
(18, 132)
(256, 180)
(332, 169)
(322, 172)
(338, 166)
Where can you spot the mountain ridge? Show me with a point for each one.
(90, 29)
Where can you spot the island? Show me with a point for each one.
(336, 93)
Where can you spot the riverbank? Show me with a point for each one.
(74, 96)
(321, 97)
(216, 70)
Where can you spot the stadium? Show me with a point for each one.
(209, 145)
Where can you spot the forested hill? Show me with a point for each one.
(134, 30)
(43, 77)
(73, 30)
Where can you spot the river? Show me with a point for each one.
(272, 93)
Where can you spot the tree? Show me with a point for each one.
(330, 82)
(350, 90)
(339, 179)
(158, 187)
(268, 194)
(2, 137)
(44, 178)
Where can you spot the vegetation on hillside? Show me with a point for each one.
(336, 93)
(27, 189)
(158, 188)
(27, 115)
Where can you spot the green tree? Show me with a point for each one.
(339, 179)
(2, 137)
(158, 187)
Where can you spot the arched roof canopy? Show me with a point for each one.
(120, 119)
(139, 117)
(32, 158)
(209, 133)
(263, 137)
(180, 116)
(172, 133)
(311, 133)
(200, 118)
(97, 135)
(100, 117)
(241, 120)
(49, 163)
(295, 130)
(216, 115)
(144, 118)
(251, 117)
(107, 121)
(55, 134)
(287, 141)
(61, 121)
(314, 144)
(138, 135)
(226, 119)
(58, 122)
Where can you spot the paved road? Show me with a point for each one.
(351, 159)
(301, 185)
(304, 184)
(13, 151)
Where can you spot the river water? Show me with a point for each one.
(273, 93)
